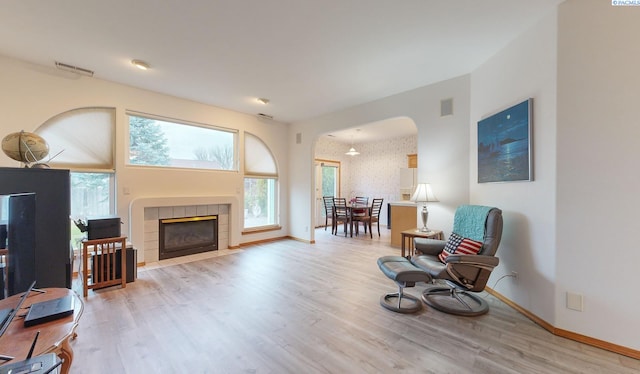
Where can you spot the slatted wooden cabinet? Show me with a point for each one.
(102, 266)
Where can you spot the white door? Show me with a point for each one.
(327, 184)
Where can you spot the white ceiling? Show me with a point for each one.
(376, 131)
(307, 57)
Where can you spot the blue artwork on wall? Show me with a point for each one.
(504, 145)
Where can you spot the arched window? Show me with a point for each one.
(83, 140)
(260, 185)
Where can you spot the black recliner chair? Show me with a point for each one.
(464, 275)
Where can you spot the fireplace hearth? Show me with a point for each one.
(187, 235)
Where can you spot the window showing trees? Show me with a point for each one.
(148, 143)
(259, 202)
(159, 142)
(260, 185)
(329, 180)
(91, 194)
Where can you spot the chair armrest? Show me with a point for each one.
(429, 246)
(474, 260)
(470, 271)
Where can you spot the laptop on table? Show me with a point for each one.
(49, 310)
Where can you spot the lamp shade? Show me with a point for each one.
(423, 193)
(352, 152)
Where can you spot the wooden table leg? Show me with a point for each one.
(351, 222)
(66, 354)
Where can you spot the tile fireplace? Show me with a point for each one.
(145, 213)
(201, 232)
(187, 235)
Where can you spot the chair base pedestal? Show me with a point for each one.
(405, 274)
(453, 301)
(400, 303)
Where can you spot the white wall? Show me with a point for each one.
(30, 94)
(572, 229)
(525, 68)
(598, 179)
(377, 172)
(443, 151)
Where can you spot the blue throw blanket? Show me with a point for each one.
(469, 221)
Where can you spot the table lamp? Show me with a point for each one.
(424, 194)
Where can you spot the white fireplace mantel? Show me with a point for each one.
(137, 206)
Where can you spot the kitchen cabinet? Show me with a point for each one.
(404, 216)
(412, 161)
(408, 182)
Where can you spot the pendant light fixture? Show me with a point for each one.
(352, 151)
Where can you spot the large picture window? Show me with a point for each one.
(165, 143)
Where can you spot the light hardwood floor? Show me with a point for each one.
(292, 307)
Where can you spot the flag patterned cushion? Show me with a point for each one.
(460, 246)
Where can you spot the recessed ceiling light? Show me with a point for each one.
(262, 100)
(140, 64)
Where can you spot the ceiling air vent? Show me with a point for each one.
(262, 115)
(74, 69)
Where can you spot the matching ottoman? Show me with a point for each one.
(405, 274)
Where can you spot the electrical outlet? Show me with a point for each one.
(514, 274)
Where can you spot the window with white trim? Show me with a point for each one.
(260, 185)
(162, 142)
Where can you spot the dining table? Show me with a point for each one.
(355, 209)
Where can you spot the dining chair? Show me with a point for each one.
(341, 214)
(373, 216)
(328, 212)
(360, 200)
(358, 214)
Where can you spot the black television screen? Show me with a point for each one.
(21, 244)
(3, 234)
(103, 227)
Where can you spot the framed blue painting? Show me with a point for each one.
(505, 145)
